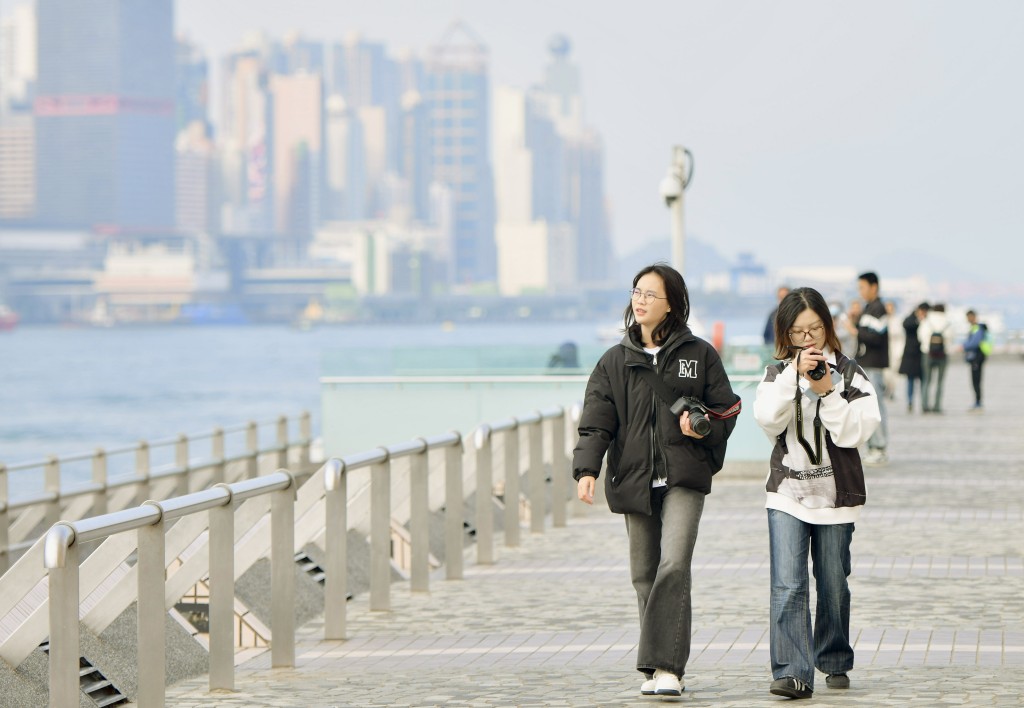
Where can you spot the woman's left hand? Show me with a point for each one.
(684, 426)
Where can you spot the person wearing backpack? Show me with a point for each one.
(659, 462)
(935, 335)
(977, 347)
(818, 406)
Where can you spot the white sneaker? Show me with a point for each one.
(667, 684)
(876, 458)
(648, 687)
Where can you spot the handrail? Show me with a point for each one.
(60, 558)
(21, 514)
(158, 540)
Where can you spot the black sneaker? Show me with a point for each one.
(837, 681)
(791, 687)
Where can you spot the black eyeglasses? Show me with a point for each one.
(644, 297)
(800, 335)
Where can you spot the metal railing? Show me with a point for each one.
(321, 509)
(136, 477)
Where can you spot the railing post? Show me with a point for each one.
(151, 567)
(181, 486)
(484, 490)
(142, 468)
(306, 438)
(282, 442)
(252, 446)
(336, 544)
(512, 486)
(217, 450)
(282, 576)
(222, 595)
(5, 523)
(419, 520)
(380, 535)
(99, 476)
(64, 655)
(536, 472)
(453, 514)
(51, 482)
(559, 471)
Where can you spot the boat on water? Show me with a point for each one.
(8, 319)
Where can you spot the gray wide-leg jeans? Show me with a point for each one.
(660, 551)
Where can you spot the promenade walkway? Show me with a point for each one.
(938, 596)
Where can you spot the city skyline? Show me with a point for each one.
(892, 126)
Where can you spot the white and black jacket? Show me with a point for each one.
(829, 489)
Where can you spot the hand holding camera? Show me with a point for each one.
(812, 362)
(698, 414)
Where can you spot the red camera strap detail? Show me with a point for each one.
(733, 410)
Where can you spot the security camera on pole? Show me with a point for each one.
(672, 187)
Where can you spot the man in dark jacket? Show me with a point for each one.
(873, 356)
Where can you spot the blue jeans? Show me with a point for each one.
(880, 438)
(795, 650)
(660, 552)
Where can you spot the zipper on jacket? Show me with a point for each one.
(654, 433)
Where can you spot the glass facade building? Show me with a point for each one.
(104, 111)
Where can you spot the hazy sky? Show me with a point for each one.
(820, 128)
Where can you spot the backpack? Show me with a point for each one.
(936, 346)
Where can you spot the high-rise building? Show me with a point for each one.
(104, 111)
(17, 59)
(298, 138)
(245, 136)
(192, 85)
(535, 243)
(581, 164)
(17, 168)
(197, 181)
(457, 92)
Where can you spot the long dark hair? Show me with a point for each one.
(678, 302)
(790, 308)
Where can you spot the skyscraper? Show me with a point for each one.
(298, 129)
(245, 141)
(192, 85)
(17, 59)
(104, 112)
(457, 92)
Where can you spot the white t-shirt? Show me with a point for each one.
(653, 351)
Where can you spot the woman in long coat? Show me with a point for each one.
(910, 364)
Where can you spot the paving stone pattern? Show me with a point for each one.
(937, 616)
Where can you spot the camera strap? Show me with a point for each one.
(815, 454)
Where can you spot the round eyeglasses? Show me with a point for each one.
(644, 297)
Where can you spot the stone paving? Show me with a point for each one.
(937, 615)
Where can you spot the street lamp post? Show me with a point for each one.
(672, 188)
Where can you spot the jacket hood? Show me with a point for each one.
(683, 334)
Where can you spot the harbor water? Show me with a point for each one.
(67, 391)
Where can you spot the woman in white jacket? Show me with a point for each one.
(935, 335)
(817, 406)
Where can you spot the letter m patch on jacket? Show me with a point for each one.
(687, 368)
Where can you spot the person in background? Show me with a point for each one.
(659, 468)
(910, 362)
(873, 355)
(976, 349)
(769, 326)
(815, 491)
(846, 333)
(897, 343)
(935, 334)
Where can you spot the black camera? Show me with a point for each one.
(819, 371)
(698, 414)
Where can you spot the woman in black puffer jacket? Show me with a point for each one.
(910, 363)
(659, 467)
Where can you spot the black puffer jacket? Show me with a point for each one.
(623, 416)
